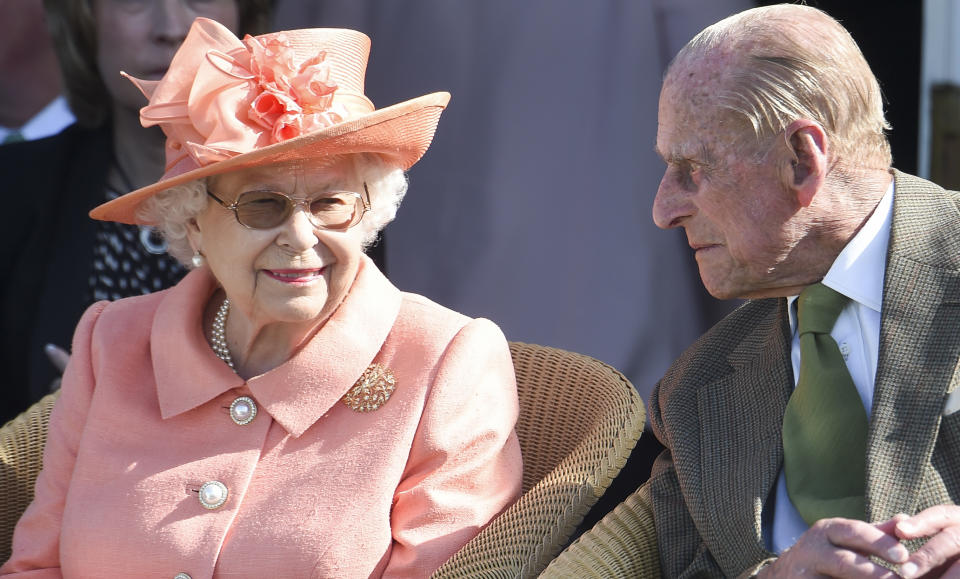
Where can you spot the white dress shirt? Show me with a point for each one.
(52, 119)
(858, 274)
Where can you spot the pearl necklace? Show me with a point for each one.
(219, 338)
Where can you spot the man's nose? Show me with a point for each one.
(671, 205)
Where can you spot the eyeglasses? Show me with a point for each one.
(337, 210)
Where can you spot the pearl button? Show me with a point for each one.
(182, 576)
(213, 494)
(243, 410)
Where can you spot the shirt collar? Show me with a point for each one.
(859, 269)
(51, 119)
(299, 391)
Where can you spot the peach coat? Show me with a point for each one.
(315, 489)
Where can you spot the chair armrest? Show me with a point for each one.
(622, 544)
(21, 457)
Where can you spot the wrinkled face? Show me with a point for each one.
(291, 273)
(734, 208)
(140, 37)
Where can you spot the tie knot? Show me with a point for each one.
(818, 308)
(13, 136)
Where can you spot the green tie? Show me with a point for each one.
(824, 426)
(13, 137)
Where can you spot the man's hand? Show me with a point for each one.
(940, 556)
(840, 548)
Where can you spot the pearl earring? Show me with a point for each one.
(197, 260)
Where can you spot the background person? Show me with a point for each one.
(284, 408)
(778, 170)
(55, 261)
(31, 106)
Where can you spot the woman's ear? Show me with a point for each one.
(194, 235)
(806, 172)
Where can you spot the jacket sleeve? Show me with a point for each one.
(464, 466)
(36, 539)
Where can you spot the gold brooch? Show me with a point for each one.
(372, 390)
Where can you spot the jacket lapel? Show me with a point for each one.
(741, 449)
(919, 344)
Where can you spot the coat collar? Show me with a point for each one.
(296, 393)
(919, 343)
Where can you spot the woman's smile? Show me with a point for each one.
(295, 276)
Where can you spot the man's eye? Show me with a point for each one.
(682, 173)
(690, 172)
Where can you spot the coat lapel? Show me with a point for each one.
(919, 344)
(740, 432)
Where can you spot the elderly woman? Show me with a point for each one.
(283, 409)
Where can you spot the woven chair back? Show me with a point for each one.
(579, 420)
(21, 456)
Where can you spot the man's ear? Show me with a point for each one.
(806, 170)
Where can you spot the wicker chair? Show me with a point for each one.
(579, 420)
(622, 544)
(21, 454)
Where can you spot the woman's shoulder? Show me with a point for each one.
(423, 307)
(422, 317)
(121, 318)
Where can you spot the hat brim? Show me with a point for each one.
(401, 134)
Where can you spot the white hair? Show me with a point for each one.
(796, 62)
(172, 209)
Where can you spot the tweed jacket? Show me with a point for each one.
(314, 488)
(719, 408)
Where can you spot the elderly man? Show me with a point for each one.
(813, 431)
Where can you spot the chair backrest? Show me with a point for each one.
(21, 456)
(579, 420)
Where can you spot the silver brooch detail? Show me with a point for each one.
(243, 410)
(213, 494)
(372, 390)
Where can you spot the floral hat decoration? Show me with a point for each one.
(226, 104)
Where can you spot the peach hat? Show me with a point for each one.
(226, 104)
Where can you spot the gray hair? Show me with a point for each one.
(172, 209)
(793, 62)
